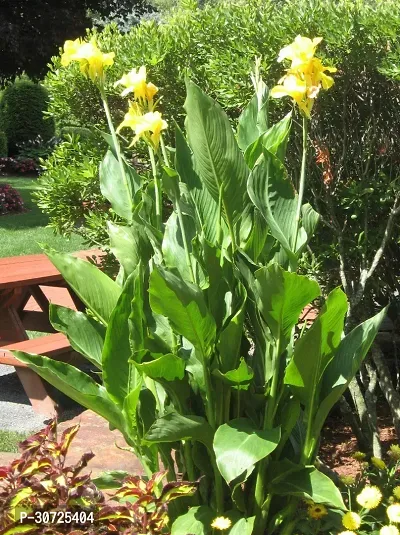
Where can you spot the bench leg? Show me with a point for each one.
(36, 392)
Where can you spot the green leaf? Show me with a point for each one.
(174, 427)
(308, 483)
(93, 287)
(230, 337)
(273, 194)
(77, 385)
(197, 521)
(130, 245)
(168, 367)
(183, 304)
(119, 375)
(239, 378)
(238, 445)
(85, 334)
(345, 364)
(111, 479)
(309, 219)
(23, 528)
(244, 526)
(218, 159)
(119, 189)
(254, 119)
(274, 140)
(281, 296)
(130, 405)
(315, 349)
(206, 208)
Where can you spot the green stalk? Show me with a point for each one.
(164, 151)
(302, 178)
(187, 448)
(115, 140)
(157, 189)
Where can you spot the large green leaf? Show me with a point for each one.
(168, 367)
(239, 378)
(174, 427)
(76, 385)
(345, 364)
(130, 244)
(244, 526)
(254, 119)
(183, 304)
(118, 188)
(281, 296)
(85, 334)
(308, 483)
(273, 194)
(197, 521)
(315, 349)
(119, 374)
(274, 140)
(309, 219)
(206, 208)
(218, 159)
(97, 291)
(239, 445)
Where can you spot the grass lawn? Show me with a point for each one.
(20, 234)
(9, 440)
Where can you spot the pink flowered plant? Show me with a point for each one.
(10, 200)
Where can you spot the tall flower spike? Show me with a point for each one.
(91, 59)
(135, 82)
(306, 75)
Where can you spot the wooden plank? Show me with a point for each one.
(11, 327)
(36, 391)
(33, 320)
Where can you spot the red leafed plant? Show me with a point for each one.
(10, 200)
(41, 481)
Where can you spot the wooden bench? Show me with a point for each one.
(55, 346)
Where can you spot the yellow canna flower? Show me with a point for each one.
(396, 492)
(306, 75)
(135, 82)
(394, 452)
(300, 51)
(317, 511)
(393, 512)
(389, 530)
(370, 497)
(378, 463)
(147, 126)
(221, 523)
(351, 520)
(91, 59)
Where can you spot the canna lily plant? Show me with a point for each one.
(203, 366)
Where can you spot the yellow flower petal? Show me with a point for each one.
(370, 497)
(393, 513)
(351, 520)
(91, 59)
(221, 523)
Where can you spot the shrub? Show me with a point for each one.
(10, 200)
(3, 145)
(40, 484)
(22, 108)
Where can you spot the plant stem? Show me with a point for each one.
(185, 242)
(115, 140)
(189, 461)
(302, 179)
(157, 186)
(164, 151)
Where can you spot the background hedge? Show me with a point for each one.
(22, 108)
(3, 145)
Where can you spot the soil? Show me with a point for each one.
(338, 444)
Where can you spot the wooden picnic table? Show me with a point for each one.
(21, 279)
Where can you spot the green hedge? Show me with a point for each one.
(3, 145)
(22, 108)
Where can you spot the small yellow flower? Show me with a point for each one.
(135, 82)
(393, 512)
(370, 497)
(389, 530)
(347, 533)
(359, 456)
(351, 520)
(91, 59)
(394, 452)
(348, 480)
(300, 51)
(396, 492)
(317, 511)
(378, 463)
(151, 122)
(221, 523)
